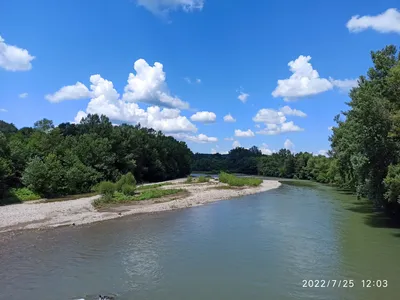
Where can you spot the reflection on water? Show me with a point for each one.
(260, 247)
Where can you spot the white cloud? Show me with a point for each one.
(240, 133)
(388, 21)
(304, 82)
(69, 92)
(344, 85)
(288, 144)
(265, 149)
(292, 112)
(243, 97)
(236, 144)
(323, 152)
(228, 118)
(229, 139)
(200, 139)
(79, 116)
(274, 129)
(13, 58)
(188, 80)
(162, 7)
(149, 86)
(23, 95)
(3, 110)
(204, 117)
(106, 100)
(270, 116)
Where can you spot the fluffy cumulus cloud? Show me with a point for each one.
(288, 144)
(23, 95)
(13, 58)
(243, 97)
(149, 86)
(274, 129)
(200, 139)
(162, 7)
(344, 85)
(288, 111)
(265, 149)
(304, 82)
(228, 118)
(270, 116)
(70, 92)
(388, 21)
(106, 100)
(204, 117)
(276, 122)
(247, 133)
(236, 144)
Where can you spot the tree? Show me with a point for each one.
(44, 125)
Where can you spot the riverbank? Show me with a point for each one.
(36, 215)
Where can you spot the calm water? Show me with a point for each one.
(255, 247)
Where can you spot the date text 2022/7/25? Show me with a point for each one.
(344, 283)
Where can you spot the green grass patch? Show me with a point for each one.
(152, 186)
(120, 198)
(233, 180)
(189, 179)
(202, 179)
(298, 182)
(23, 194)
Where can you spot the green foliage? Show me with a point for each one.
(126, 180)
(72, 158)
(23, 194)
(106, 188)
(120, 198)
(203, 179)
(392, 184)
(152, 186)
(233, 180)
(189, 179)
(128, 189)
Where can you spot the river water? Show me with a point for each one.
(255, 247)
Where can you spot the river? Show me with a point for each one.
(255, 247)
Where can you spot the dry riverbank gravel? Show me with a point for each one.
(81, 211)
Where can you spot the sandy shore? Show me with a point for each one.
(80, 211)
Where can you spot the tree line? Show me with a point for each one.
(72, 158)
(365, 143)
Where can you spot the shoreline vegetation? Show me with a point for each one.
(115, 201)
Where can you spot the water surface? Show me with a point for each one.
(254, 247)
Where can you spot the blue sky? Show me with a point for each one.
(190, 60)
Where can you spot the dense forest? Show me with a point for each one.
(365, 154)
(72, 158)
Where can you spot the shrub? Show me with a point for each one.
(233, 180)
(24, 194)
(106, 188)
(392, 184)
(128, 189)
(189, 179)
(127, 179)
(203, 179)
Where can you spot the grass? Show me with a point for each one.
(233, 180)
(24, 194)
(152, 186)
(147, 194)
(202, 179)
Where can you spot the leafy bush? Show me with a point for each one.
(233, 180)
(106, 188)
(189, 179)
(24, 194)
(128, 189)
(203, 179)
(127, 179)
(392, 184)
